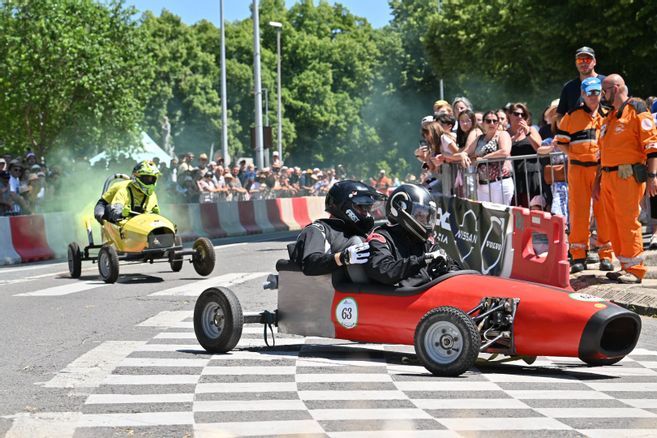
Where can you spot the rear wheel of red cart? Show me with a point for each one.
(218, 320)
(447, 341)
(74, 260)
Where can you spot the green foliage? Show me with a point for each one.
(82, 73)
(74, 74)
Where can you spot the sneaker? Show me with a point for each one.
(653, 242)
(578, 266)
(605, 265)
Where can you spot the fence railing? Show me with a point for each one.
(509, 181)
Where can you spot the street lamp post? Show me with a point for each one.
(279, 28)
(258, 86)
(224, 104)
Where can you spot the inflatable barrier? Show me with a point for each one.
(550, 268)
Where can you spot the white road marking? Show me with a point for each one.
(169, 347)
(65, 289)
(43, 425)
(317, 378)
(528, 378)
(392, 430)
(605, 433)
(90, 369)
(204, 388)
(165, 319)
(250, 405)
(154, 362)
(195, 289)
(469, 403)
(248, 371)
(251, 428)
(94, 399)
(352, 395)
(633, 387)
(446, 386)
(152, 379)
(27, 268)
(369, 414)
(484, 424)
(136, 420)
(643, 403)
(595, 413)
(557, 395)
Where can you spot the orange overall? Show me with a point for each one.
(627, 136)
(578, 134)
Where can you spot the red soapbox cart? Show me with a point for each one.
(449, 320)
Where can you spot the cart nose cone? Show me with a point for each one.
(610, 333)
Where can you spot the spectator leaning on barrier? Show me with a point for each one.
(627, 139)
(495, 182)
(577, 136)
(585, 63)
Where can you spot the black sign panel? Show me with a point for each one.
(472, 234)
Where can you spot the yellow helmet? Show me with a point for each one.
(144, 175)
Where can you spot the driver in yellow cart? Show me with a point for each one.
(133, 196)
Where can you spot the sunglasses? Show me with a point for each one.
(491, 120)
(519, 114)
(583, 60)
(594, 93)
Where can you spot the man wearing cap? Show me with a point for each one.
(577, 136)
(628, 140)
(570, 93)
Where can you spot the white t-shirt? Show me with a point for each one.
(447, 145)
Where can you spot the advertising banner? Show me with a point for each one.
(475, 234)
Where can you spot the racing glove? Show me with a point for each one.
(625, 171)
(355, 254)
(125, 212)
(438, 256)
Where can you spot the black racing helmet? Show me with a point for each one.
(352, 201)
(412, 207)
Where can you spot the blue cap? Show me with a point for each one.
(591, 84)
(653, 107)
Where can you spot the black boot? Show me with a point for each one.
(605, 265)
(578, 266)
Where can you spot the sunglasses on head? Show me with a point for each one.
(519, 114)
(490, 120)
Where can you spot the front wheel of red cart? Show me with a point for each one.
(447, 341)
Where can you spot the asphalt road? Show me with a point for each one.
(81, 358)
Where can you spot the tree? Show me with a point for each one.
(74, 74)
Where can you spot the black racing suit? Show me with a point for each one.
(318, 243)
(397, 258)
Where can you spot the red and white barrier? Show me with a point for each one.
(8, 255)
(550, 268)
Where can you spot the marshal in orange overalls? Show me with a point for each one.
(627, 137)
(578, 133)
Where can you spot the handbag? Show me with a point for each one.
(558, 170)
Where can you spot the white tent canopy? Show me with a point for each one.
(148, 150)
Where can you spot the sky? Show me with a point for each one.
(377, 12)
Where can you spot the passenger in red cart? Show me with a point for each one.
(577, 136)
(403, 253)
(327, 244)
(628, 140)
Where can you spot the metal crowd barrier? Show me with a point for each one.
(467, 182)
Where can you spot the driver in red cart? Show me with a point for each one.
(327, 244)
(403, 253)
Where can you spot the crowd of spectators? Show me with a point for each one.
(26, 183)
